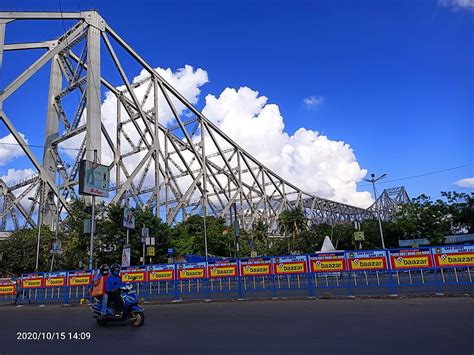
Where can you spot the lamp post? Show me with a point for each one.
(373, 180)
(40, 214)
(204, 203)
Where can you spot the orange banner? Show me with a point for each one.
(223, 271)
(55, 281)
(7, 289)
(161, 275)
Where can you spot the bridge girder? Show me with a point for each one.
(176, 168)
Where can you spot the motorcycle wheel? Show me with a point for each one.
(138, 319)
(102, 322)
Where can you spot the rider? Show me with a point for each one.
(103, 273)
(113, 283)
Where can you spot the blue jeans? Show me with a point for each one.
(105, 298)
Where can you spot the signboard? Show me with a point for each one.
(295, 264)
(128, 220)
(170, 251)
(79, 278)
(150, 251)
(7, 287)
(328, 262)
(191, 271)
(32, 281)
(93, 179)
(133, 275)
(359, 236)
(366, 260)
(145, 234)
(126, 256)
(256, 267)
(55, 247)
(55, 279)
(222, 269)
(161, 272)
(454, 256)
(411, 259)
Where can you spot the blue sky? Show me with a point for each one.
(393, 79)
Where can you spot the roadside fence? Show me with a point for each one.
(443, 269)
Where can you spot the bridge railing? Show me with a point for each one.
(443, 269)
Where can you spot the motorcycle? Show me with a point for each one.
(130, 310)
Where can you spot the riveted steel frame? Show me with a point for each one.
(177, 166)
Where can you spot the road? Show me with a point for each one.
(357, 326)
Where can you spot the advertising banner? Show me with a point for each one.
(161, 272)
(126, 256)
(191, 271)
(454, 256)
(94, 179)
(295, 264)
(256, 267)
(222, 269)
(328, 262)
(133, 274)
(7, 287)
(32, 281)
(367, 260)
(79, 278)
(411, 259)
(128, 220)
(55, 279)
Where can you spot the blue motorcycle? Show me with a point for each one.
(123, 308)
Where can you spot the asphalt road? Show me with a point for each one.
(369, 326)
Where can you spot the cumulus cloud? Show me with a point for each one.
(309, 160)
(9, 149)
(187, 81)
(306, 158)
(457, 4)
(14, 175)
(467, 182)
(313, 101)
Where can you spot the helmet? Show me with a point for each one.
(115, 269)
(104, 269)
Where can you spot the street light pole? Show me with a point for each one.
(373, 180)
(40, 221)
(204, 203)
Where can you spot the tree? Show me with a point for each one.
(19, 251)
(424, 218)
(188, 236)
(292, 223)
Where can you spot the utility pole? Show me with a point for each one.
(40, 222)
(91, 243)
(373, 180)
(204, 205)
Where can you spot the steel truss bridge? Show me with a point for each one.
(185, 167)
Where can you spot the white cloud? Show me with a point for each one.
(307, 159)
(457, 4)
(186, 80)
(9, 149)
(14, 175)
(467, 182)
(313, 101)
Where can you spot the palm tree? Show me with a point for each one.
(291, 223)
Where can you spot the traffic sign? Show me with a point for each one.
(359, 236)
(150, 251)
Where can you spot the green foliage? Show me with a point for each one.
(423, 218)
(19, 251)
(292, 223)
